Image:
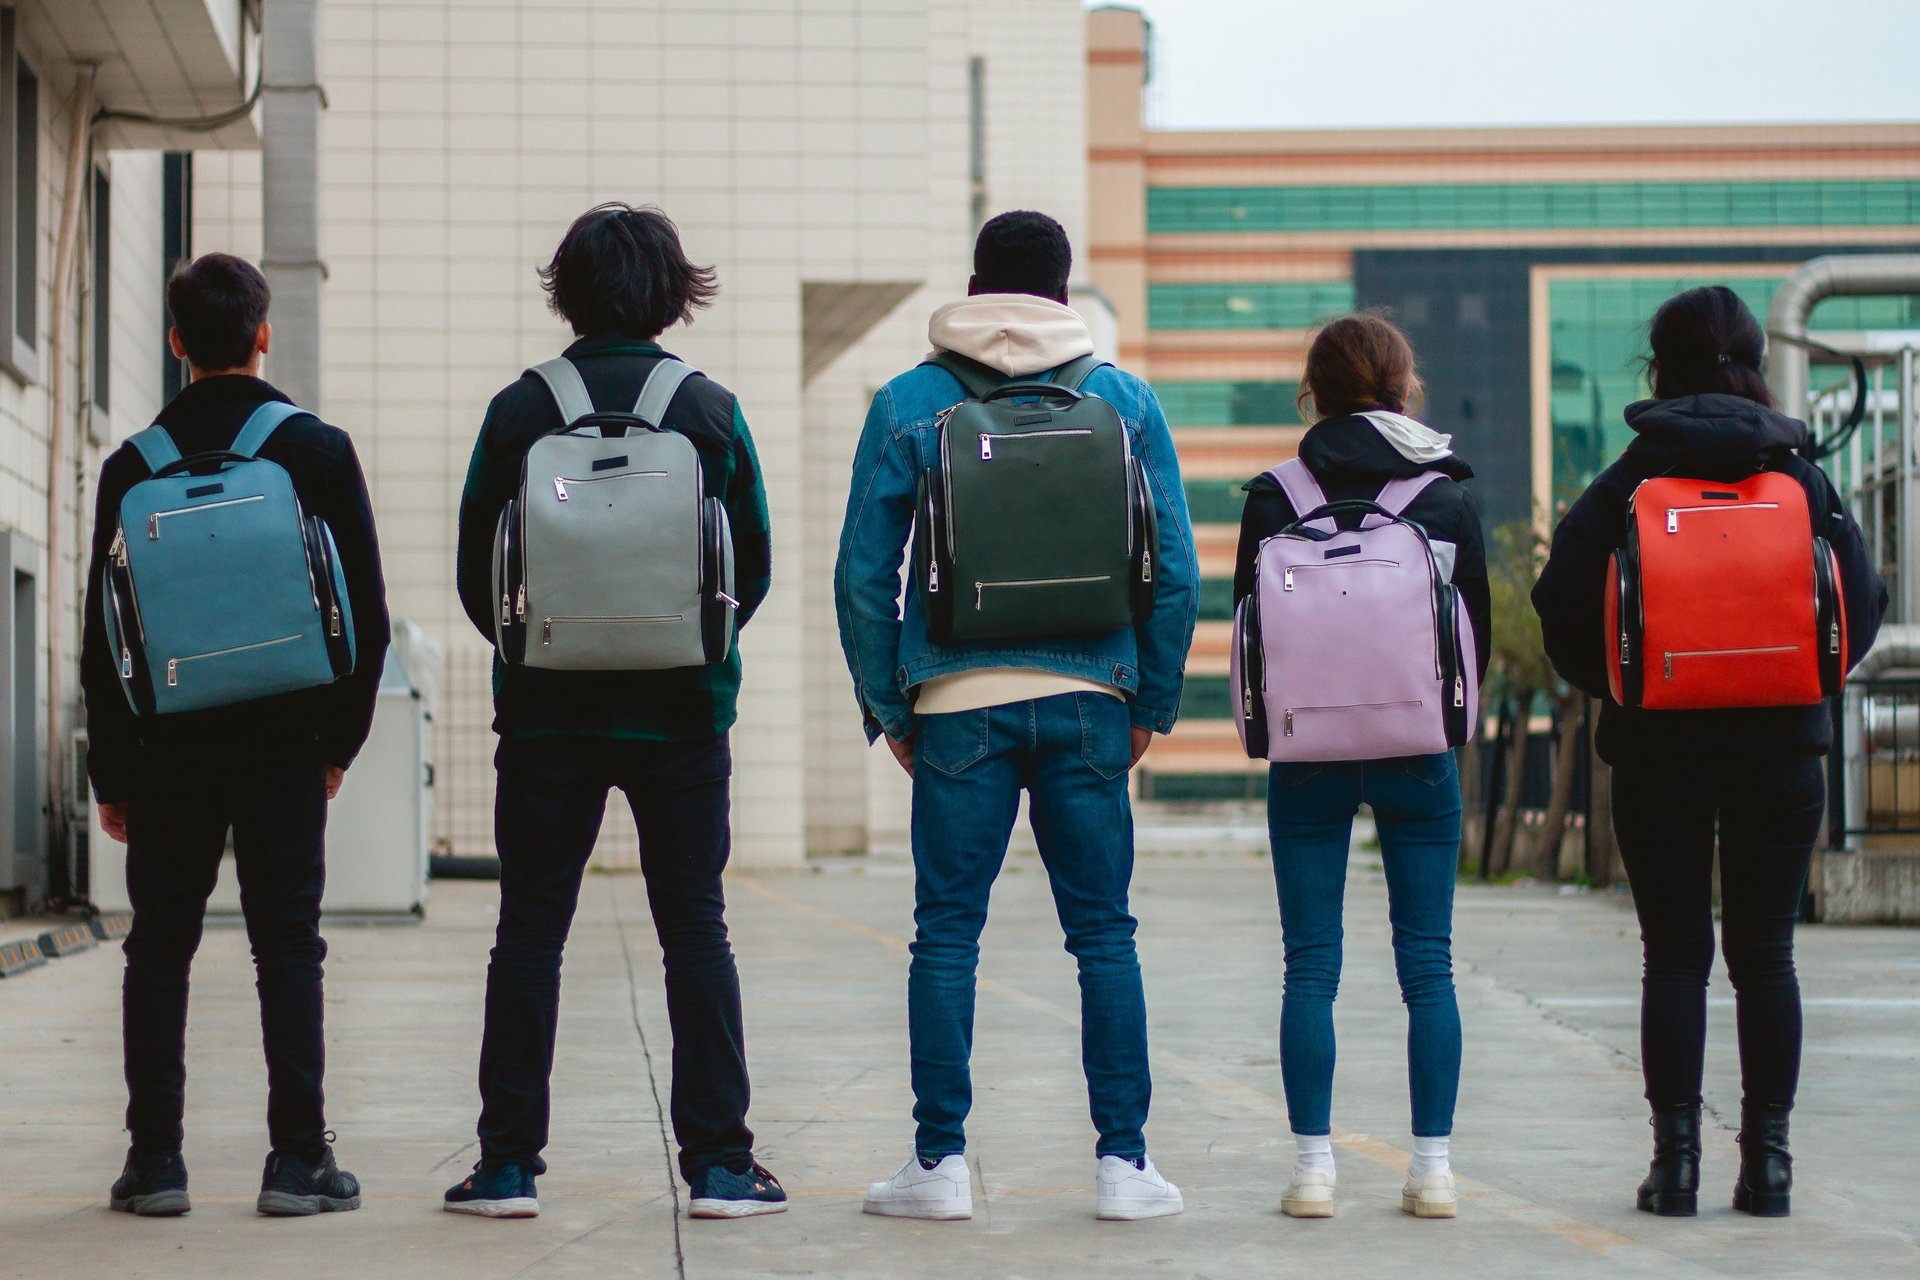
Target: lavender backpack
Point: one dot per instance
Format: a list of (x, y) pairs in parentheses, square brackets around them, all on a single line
[(1354, 644)]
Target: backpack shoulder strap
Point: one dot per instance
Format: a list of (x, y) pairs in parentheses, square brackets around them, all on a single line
[(155, 447), (1397, 495), (568, 387), (1302, 490), (264, 422), (1074, 373), (663, 382), (977, 378)]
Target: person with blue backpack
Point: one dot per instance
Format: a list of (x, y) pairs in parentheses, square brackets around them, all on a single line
[(614, 538), (235, 632), (1043, 643), (1362, 629)]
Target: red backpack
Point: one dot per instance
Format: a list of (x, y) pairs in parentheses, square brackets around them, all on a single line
[(1723, 597)]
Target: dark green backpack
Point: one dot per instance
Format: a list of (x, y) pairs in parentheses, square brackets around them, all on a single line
[(1038, 521)]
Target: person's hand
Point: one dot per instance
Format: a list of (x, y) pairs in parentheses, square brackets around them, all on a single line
[(903, 750), (335, 776), (113, 820), (1142, 739)]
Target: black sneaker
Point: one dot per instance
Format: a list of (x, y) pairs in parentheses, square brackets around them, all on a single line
[(151, 1186), (495, 1191), (723, 1192), (292, 1188)]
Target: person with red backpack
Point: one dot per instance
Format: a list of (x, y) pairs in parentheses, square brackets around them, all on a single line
[(1364, 621), (1712, 590)]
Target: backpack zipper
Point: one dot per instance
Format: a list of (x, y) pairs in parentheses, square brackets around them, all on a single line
[(118, 554), (980, 588), (173, 664), (153, 521), (986, 439), (1351, 706), (1287, 585), (1674, 513), (1725, 653), (560, 483), (546, 625)]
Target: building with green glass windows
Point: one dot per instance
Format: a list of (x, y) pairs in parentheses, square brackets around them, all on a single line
[(1523, 263)]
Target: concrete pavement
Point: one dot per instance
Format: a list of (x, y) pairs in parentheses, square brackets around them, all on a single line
[(1551, 1136)]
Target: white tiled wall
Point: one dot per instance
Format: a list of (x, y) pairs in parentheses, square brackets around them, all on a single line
[(792, 140)]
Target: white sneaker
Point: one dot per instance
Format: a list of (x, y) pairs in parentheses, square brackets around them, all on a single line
[(1309, 1194), (1124, 1192), (1430, 1196), (944, 1192)]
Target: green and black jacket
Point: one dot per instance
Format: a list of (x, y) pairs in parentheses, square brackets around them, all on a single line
[(690, 704)]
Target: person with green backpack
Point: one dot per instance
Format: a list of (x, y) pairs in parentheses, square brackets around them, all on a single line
[(1043, 641)]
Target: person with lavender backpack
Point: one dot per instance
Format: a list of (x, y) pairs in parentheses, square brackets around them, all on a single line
[(1373, 467)]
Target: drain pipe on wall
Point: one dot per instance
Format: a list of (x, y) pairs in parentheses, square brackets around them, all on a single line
[(60, 470)]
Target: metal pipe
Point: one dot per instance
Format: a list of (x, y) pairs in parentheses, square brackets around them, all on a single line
[(292, 102), (1838, 275), (59, 482)]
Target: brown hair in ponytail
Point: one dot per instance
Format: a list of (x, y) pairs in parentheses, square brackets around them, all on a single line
[(1359, 362)]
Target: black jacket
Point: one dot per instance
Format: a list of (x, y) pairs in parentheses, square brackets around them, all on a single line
[(1712, 437), (1351, 461), (325, 471)]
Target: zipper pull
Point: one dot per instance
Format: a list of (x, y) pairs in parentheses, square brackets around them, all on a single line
[(173, 673), (546, 631), (1459, 691), (560, 488), (1673, 520), (153, 527), (520, 604), (1289, 583), (1146, 565), (506, 609), (986, 448), (1289, 722), (1626, 650), (118, 551), (1669, 666), (1246, 701), (933, 576), (1833, 637), (126, 663), (336, 621), (979, 596)]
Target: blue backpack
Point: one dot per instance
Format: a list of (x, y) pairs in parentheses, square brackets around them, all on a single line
[(218, 588)]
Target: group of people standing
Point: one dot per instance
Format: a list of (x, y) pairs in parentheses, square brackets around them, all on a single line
[(976, 714)]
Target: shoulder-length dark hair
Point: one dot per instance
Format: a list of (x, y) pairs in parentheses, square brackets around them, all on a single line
[(1359, 362), (620, 269), (1706, 341)]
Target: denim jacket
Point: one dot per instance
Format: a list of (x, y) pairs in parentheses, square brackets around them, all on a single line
[(889, 654)]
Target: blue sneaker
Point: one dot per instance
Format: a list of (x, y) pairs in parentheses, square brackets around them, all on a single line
[(151, 1186), (721, 1192), (291, 1187), (495, 1191)]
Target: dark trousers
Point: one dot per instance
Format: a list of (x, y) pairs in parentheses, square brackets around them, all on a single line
[(273, 796), (1767, 813), (552, 795)]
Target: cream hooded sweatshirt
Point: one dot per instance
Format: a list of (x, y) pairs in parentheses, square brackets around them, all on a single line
[(1018, 334)]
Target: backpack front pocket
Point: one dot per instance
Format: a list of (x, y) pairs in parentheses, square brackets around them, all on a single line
[(177, 667)]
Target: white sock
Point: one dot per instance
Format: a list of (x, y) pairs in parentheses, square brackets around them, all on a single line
[(1429, 1156), (1311, 1152)]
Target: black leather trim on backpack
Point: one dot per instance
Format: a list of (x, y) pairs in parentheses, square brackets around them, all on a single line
[(1828, 632), (932, 559), (1633, 659), (1453, 667), (1253, 676), (1146, 543)]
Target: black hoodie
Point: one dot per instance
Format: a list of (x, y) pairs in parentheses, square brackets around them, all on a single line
[(1352, 460), (1711, 437)]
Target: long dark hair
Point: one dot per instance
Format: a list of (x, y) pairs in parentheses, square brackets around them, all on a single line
[(1706, 341), (620, 269)]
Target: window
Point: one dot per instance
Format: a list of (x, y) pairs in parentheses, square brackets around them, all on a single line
[(102, 300), (19, 206), (176, 247), (1253, 305), (1229, 404)]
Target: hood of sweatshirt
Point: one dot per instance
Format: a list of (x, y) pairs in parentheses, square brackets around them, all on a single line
[(1717, 437), (1016, 333), (1350, 446)]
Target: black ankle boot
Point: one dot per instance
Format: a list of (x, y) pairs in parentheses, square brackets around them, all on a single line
[(1766, 1167), (1672, 1188)]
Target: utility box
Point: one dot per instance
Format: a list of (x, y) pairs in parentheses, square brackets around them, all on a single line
[(378, 827)]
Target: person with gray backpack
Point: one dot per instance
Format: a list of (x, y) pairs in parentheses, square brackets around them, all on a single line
[(1362, 629), (1043, 642), (236, 628), (613, 540)]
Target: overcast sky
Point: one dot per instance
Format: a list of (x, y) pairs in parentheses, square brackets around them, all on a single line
[(1322, 63)]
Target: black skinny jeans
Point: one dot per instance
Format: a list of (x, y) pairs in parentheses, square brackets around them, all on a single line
[(185, 797), (1768, 812), (547, 811)]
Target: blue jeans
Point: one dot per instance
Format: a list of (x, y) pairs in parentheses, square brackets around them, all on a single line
[(1071, 753), (1310, 810)]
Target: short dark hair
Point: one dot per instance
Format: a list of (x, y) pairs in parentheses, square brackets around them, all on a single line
[(218, 303), (620, 269), (1706, 341), (1023, 252)]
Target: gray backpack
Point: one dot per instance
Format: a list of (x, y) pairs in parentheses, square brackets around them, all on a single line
[(611, 557)]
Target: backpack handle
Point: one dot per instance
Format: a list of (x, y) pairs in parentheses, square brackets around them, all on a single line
[(1036, 390), (180, 466), (1322, 523)]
